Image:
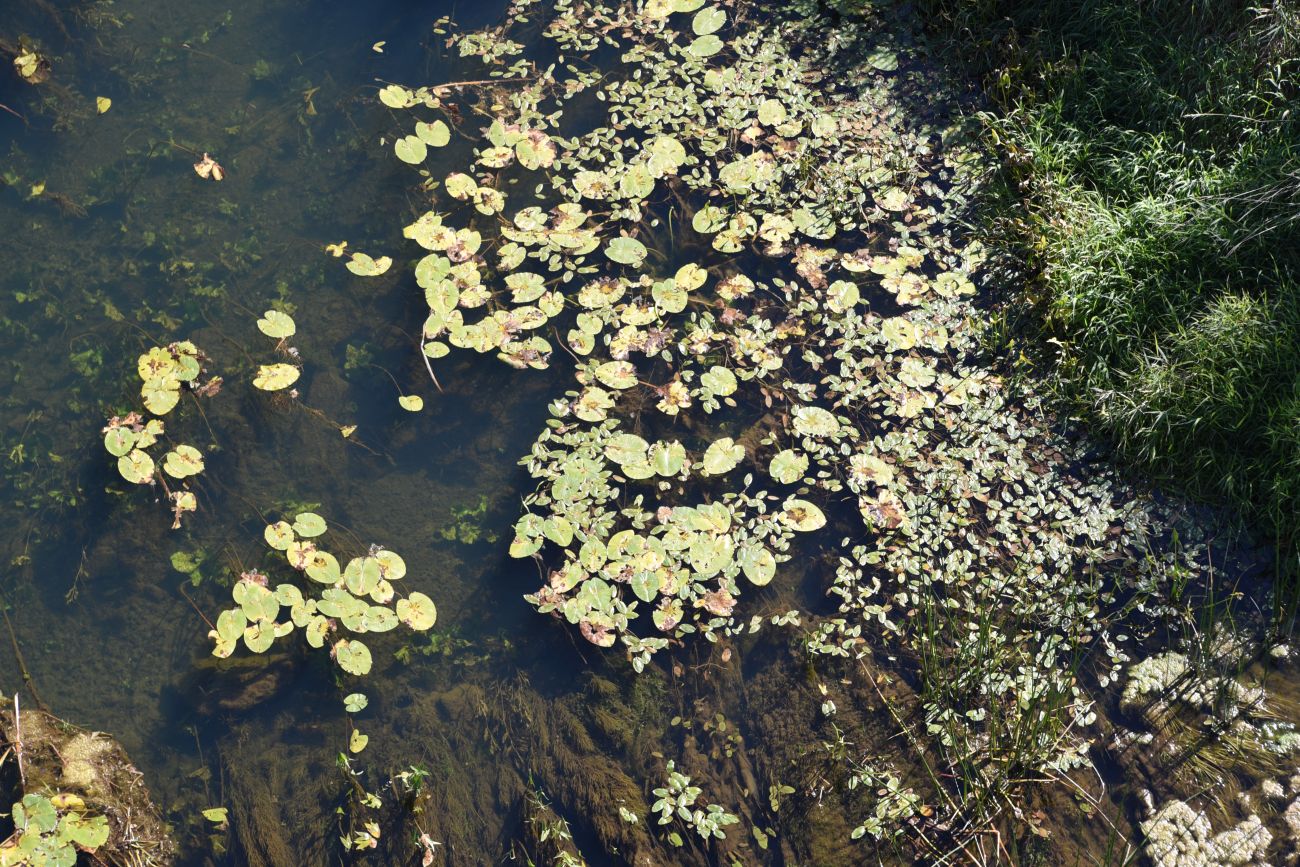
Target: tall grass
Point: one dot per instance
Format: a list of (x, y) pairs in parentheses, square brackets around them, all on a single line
[(1152, 188)]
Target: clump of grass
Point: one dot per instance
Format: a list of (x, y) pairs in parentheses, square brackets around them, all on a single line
[(1152, 187)]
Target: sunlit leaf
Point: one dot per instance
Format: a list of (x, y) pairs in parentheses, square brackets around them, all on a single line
[(274, 377), (277, 325), (417, 611), (136, 467)]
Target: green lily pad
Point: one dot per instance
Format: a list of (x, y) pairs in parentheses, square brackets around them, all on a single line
[(119, 441), (355, 702), (279, 535), (259, 637), (275, 377), (323, 568), (391, 565), (417, 611), (708, 20), (411, 402), (802, 515), (771, 112), (626, 448), (719, 381), (365, 266), (309, 525), (705, 46), (617, 374), (136, 467), (183, 461), (667, 458), (722, 456), (815, 421), (883, 59), (626, 251), (435, 134), (160, 395), (411, 149), (357, 741), (396, 96), (758, 564), (788, 466), (352, 656), (277, 325)]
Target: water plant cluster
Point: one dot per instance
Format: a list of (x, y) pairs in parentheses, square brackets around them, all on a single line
[(165, 372), (754, 269), (361, 597), (50, 831)]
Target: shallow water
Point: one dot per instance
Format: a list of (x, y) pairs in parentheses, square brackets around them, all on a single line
[(123, 247), (113, 244)]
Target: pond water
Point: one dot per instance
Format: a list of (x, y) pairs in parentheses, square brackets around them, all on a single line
[(525, 732)]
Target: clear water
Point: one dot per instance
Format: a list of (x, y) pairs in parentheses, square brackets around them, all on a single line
[(111, 244)]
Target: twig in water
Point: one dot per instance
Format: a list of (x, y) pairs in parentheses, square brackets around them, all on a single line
[(18, 741), (22, 663)]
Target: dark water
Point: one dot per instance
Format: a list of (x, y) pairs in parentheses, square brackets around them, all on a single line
[(126, 247), (113, 244)]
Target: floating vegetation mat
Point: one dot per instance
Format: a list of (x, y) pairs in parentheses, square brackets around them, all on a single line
[(741, 234)]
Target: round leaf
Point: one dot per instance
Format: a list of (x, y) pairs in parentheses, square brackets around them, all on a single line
[(417, 611)]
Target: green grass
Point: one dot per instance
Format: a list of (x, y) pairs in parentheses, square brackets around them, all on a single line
[(1151, 187)]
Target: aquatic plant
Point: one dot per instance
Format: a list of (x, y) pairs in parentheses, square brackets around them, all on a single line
[(677, 801), (165, 371), (753, 269), (361, 597), (50, 830)]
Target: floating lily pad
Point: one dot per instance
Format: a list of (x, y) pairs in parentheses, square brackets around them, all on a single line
[(160, 395), (435, 135), (279, 535), (758, 564), (771, 112), (617, 374), (309, 525), (355, 702), (136, 467), (788, 466), (411, 149), (277, 325), (357, 741), (391, 566), (417, 611), (275, 377), (352, 656), (803, 515), (411, 402), (323, 567), (626, 251), (119, 441), (626, 448), (815, 421), (708, 20), (722, 456), (364, 266), (705, 46), (183, 461)]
